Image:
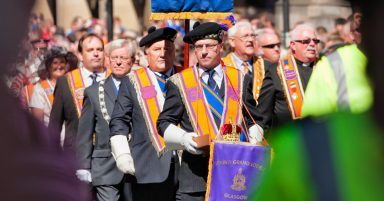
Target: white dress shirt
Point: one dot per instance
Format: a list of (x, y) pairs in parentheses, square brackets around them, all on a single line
[(240, 63), (217, 76), (86, 74)]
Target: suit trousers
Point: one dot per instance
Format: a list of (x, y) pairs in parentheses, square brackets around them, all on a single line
[(164, 191), (199, 196)]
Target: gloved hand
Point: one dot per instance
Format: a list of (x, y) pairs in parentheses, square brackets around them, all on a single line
[(189, 144), (256, 134), (177, 139), (122, 154), (124, 163), (84, 175)]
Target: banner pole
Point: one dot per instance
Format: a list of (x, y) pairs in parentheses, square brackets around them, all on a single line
[(186, 45)]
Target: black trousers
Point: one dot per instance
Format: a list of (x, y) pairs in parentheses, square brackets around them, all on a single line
[(164, 191)]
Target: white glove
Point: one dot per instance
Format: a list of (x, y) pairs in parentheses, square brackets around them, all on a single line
[(189, 144), (84, 175), (177, 139), (122, 154), (124, 163), (256, 134)]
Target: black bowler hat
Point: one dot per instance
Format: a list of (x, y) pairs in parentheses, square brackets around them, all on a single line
[(155, 35), (208, 30)]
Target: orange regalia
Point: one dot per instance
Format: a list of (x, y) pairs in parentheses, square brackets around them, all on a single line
[(291, 83), (151, 100), (28, 92), (199, 100), (77, 86), (258, 72), (48, 91)]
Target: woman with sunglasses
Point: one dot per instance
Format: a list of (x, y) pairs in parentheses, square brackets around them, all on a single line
[(42, 98)]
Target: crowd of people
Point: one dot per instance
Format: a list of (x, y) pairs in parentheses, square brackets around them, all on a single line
[(125, 107)]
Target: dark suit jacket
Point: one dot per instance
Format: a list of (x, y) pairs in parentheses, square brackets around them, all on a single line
[(127, 117), (272, 103), (194, 168), (64, 110), (97, 157)]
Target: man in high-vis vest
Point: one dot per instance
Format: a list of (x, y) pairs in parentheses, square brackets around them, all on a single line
[(69, 89), (282, 93), (337, 156), (339, 81), (201, 99), (133, 121), (242, 39)]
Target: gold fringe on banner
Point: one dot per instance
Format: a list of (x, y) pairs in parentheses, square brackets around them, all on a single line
[(189, 15)]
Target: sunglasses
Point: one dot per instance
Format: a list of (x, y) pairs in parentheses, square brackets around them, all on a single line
[(270, 46), (307, 41)]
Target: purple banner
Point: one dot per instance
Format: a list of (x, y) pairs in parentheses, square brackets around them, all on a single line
[(235, 170)]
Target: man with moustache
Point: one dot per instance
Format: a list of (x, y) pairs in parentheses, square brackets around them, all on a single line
[(270, 44), (201, 99), (242, 39), (96, 164), (133, 121), (68, 95), (282, 92)]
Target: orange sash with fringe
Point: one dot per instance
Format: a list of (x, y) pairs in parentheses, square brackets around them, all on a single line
[(291, 82), (147, 97), (190, 87), (258, 72), (77, 86)]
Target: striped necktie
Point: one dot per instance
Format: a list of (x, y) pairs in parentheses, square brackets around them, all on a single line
[(246, 67), (211, 82)]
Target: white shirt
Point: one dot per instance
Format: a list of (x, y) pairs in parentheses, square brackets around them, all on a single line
[(240, 63), (85, 73), (116, 82), (168, 73), (217, 76), (40, 100)]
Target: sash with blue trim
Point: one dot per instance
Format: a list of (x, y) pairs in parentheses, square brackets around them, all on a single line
[(196, 99), (149, 103), (291, 82)]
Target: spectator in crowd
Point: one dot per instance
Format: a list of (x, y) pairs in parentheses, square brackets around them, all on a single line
[(42, 98)]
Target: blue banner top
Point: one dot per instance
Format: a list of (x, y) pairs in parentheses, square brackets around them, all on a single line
[(165, 6)]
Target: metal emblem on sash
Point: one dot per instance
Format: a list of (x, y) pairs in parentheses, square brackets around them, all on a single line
[(239, 181), (79, 93)]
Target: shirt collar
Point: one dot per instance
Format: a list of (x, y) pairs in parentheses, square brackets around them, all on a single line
[(169, 73), (239, 62), (218, 69), (87, 73)]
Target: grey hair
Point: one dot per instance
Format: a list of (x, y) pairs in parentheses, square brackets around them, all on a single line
[(260, 33), (294, 34), (240, 25), (121, 43)]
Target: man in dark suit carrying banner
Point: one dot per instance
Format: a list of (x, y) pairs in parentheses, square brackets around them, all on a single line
[(201, 99)]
